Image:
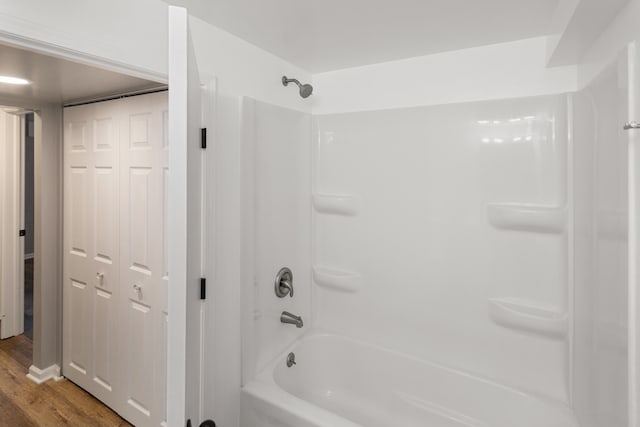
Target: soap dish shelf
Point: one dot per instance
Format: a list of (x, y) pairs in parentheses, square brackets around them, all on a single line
[(339, 280), (527, 217), (529, 316)]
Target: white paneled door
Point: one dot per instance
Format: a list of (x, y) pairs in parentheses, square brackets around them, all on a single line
[(143, 247), (91, 262), (115, 264)]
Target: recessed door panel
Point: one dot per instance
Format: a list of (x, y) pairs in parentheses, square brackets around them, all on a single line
[(139, 136), (165, 223), (104, 134), (105, 215), (104, 324), (78, 210), (79, 318), (139, 220), (164, 327), (77, 134), (139, 353)]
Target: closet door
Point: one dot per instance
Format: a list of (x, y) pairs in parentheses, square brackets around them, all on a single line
[(91, 248), (143, 254)]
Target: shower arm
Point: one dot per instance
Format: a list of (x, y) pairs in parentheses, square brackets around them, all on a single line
[(286, 81)]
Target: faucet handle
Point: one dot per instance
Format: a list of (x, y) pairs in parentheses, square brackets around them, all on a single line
[(286, 288), (284, 283)]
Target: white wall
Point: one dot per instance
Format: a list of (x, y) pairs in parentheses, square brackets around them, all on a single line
[(622, 30), (276, 229), (431, 264), (506, 70), (245, 70), (111, 30)]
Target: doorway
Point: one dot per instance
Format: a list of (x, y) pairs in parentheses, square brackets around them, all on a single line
[(12, 151), (34, 292), (27, 202)]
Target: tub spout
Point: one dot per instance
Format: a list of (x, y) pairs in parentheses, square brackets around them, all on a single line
[(292, 319)]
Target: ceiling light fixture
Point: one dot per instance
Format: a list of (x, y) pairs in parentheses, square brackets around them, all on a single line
[(13, 80)]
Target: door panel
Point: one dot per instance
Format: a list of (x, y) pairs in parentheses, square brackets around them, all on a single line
[(116, 174), (78, 211), (139, 216), (105, 241), (138, 376), (104, 326), (77, 316), (143, 162), (91, 226)]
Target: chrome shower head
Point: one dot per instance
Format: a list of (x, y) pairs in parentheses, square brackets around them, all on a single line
[(305, 89)]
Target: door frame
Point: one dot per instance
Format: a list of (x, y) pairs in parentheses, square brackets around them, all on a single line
[(13, 291)]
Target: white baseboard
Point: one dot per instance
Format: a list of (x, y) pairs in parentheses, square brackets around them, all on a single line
[(28, 256), (39, 376)]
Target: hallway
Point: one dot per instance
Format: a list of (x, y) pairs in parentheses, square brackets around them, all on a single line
[(55, 403), (28, 298)]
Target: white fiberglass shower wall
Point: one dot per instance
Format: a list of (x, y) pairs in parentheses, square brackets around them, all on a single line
[(467, 263), (466, 205)]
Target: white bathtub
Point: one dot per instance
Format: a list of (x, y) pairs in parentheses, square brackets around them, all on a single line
[(339, 382)]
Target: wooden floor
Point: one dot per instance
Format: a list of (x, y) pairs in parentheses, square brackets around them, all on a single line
[(24, 403)]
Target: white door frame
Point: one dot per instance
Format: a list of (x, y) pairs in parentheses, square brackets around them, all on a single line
[(12, 220), (633, 139)]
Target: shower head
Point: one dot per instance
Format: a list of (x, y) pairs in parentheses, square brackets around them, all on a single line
[(305, 90)]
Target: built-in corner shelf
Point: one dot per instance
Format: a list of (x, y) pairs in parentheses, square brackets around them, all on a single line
[(528, 316), (337, 204), (527, 217), (339, 280)]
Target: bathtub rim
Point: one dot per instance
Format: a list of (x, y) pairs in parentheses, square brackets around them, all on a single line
[(266, 388)]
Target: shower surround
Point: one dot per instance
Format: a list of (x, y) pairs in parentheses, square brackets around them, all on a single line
[(433, 253)]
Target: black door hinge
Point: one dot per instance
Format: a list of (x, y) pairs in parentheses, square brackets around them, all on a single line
[(203, 288), (203, 138), (22, 233)]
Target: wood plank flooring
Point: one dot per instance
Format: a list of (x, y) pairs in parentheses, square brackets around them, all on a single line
[(24, 403)]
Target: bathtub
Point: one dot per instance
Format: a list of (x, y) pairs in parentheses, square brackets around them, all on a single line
[(340, 382)]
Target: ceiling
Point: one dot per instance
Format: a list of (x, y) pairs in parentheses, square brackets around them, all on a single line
[(324, 35), (55, 80)]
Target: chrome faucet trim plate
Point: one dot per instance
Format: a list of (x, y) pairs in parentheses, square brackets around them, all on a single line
[(284, 283)]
